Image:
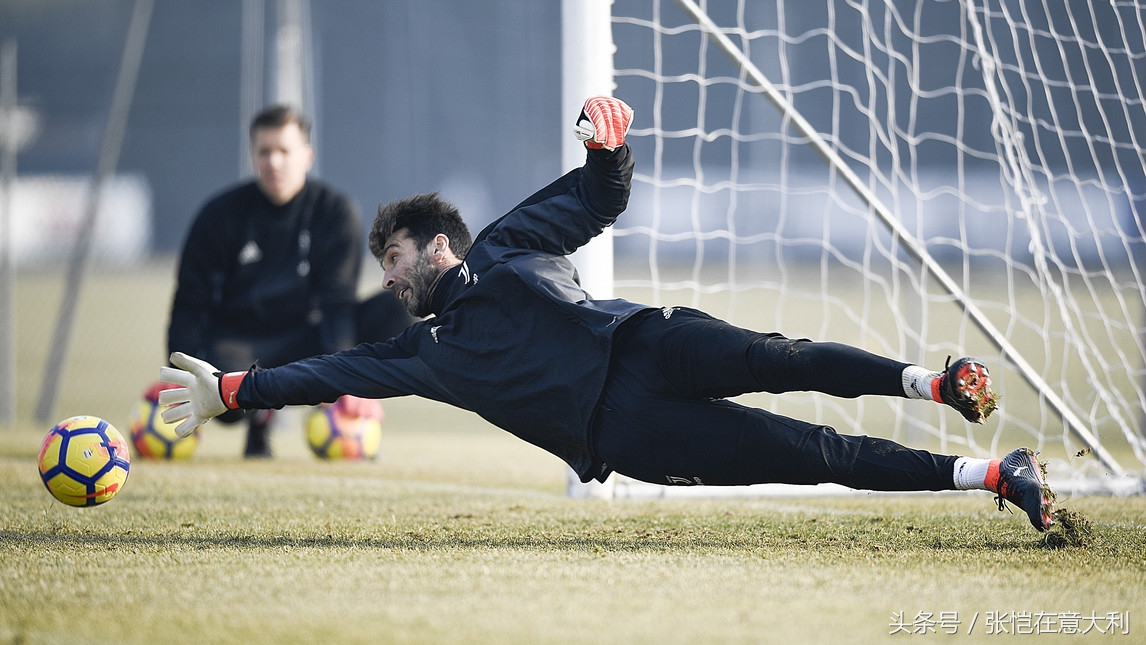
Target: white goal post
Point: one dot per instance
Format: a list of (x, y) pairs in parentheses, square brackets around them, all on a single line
[(918, 179)]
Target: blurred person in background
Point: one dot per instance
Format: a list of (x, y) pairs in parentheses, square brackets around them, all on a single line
[(269, 271)]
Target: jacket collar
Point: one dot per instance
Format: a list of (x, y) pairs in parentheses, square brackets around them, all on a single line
[(446, 288)]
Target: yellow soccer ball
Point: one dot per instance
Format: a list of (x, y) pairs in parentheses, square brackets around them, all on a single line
[(84, 461), (151, 436), (332, 433)]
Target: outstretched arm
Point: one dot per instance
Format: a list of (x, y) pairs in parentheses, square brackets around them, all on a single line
[(575, 208), (605, 179), (372, 371)]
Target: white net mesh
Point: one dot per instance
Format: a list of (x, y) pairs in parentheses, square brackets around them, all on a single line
[(1002, 139)]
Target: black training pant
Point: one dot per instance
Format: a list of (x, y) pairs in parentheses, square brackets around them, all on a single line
[(663, 417)]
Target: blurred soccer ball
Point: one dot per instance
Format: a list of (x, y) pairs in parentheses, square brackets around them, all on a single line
[(154, 439), (333, 432), (84, 461)]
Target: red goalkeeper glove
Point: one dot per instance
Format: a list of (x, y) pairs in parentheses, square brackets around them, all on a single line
[(603, 123)]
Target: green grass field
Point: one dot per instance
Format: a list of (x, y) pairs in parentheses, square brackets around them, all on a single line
[(460, 533)]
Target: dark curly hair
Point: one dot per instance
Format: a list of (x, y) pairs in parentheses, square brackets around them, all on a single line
[(424, 216)]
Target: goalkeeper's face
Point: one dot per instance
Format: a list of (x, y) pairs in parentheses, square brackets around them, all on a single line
[(411, 272)]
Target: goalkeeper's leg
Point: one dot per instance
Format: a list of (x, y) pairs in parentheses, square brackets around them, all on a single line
[(662, 417), (648, 429), (669, 440), (708, 358), (720, 443)]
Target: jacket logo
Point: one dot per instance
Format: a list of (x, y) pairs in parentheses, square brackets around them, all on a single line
[(250, 253), (434, 333), (667, 312), (465, 275)]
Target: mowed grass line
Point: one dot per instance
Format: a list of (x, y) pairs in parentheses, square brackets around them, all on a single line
[(217, 550)]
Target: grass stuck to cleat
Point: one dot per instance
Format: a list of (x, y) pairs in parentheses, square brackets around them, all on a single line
[(966, 386)]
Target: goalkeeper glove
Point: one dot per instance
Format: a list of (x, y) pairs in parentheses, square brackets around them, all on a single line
[(203, 392), (603, 123)]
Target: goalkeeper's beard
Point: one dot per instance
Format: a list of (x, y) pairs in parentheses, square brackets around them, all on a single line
[(420, 282)]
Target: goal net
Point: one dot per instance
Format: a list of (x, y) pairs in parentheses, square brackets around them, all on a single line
[(920, 179)]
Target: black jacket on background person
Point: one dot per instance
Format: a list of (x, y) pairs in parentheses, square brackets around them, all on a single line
[(251, 268), (513, 337)]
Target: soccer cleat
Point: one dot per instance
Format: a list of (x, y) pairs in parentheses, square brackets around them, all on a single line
[(1018, 479), (966, 386)]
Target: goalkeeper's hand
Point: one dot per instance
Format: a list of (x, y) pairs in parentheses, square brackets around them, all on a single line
[(603, 123), (202, 392)]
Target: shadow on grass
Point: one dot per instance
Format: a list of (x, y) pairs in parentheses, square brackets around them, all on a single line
[(610, 540)]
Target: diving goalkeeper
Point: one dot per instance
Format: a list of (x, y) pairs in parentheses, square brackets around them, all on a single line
[(609, 385)]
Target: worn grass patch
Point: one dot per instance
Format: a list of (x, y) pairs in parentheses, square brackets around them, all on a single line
[(1071, 529)]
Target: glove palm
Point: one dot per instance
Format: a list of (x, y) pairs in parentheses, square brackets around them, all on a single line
[(197, 398)]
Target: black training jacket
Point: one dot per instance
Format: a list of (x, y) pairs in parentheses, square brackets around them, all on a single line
[(513, 337), (252, 268)]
